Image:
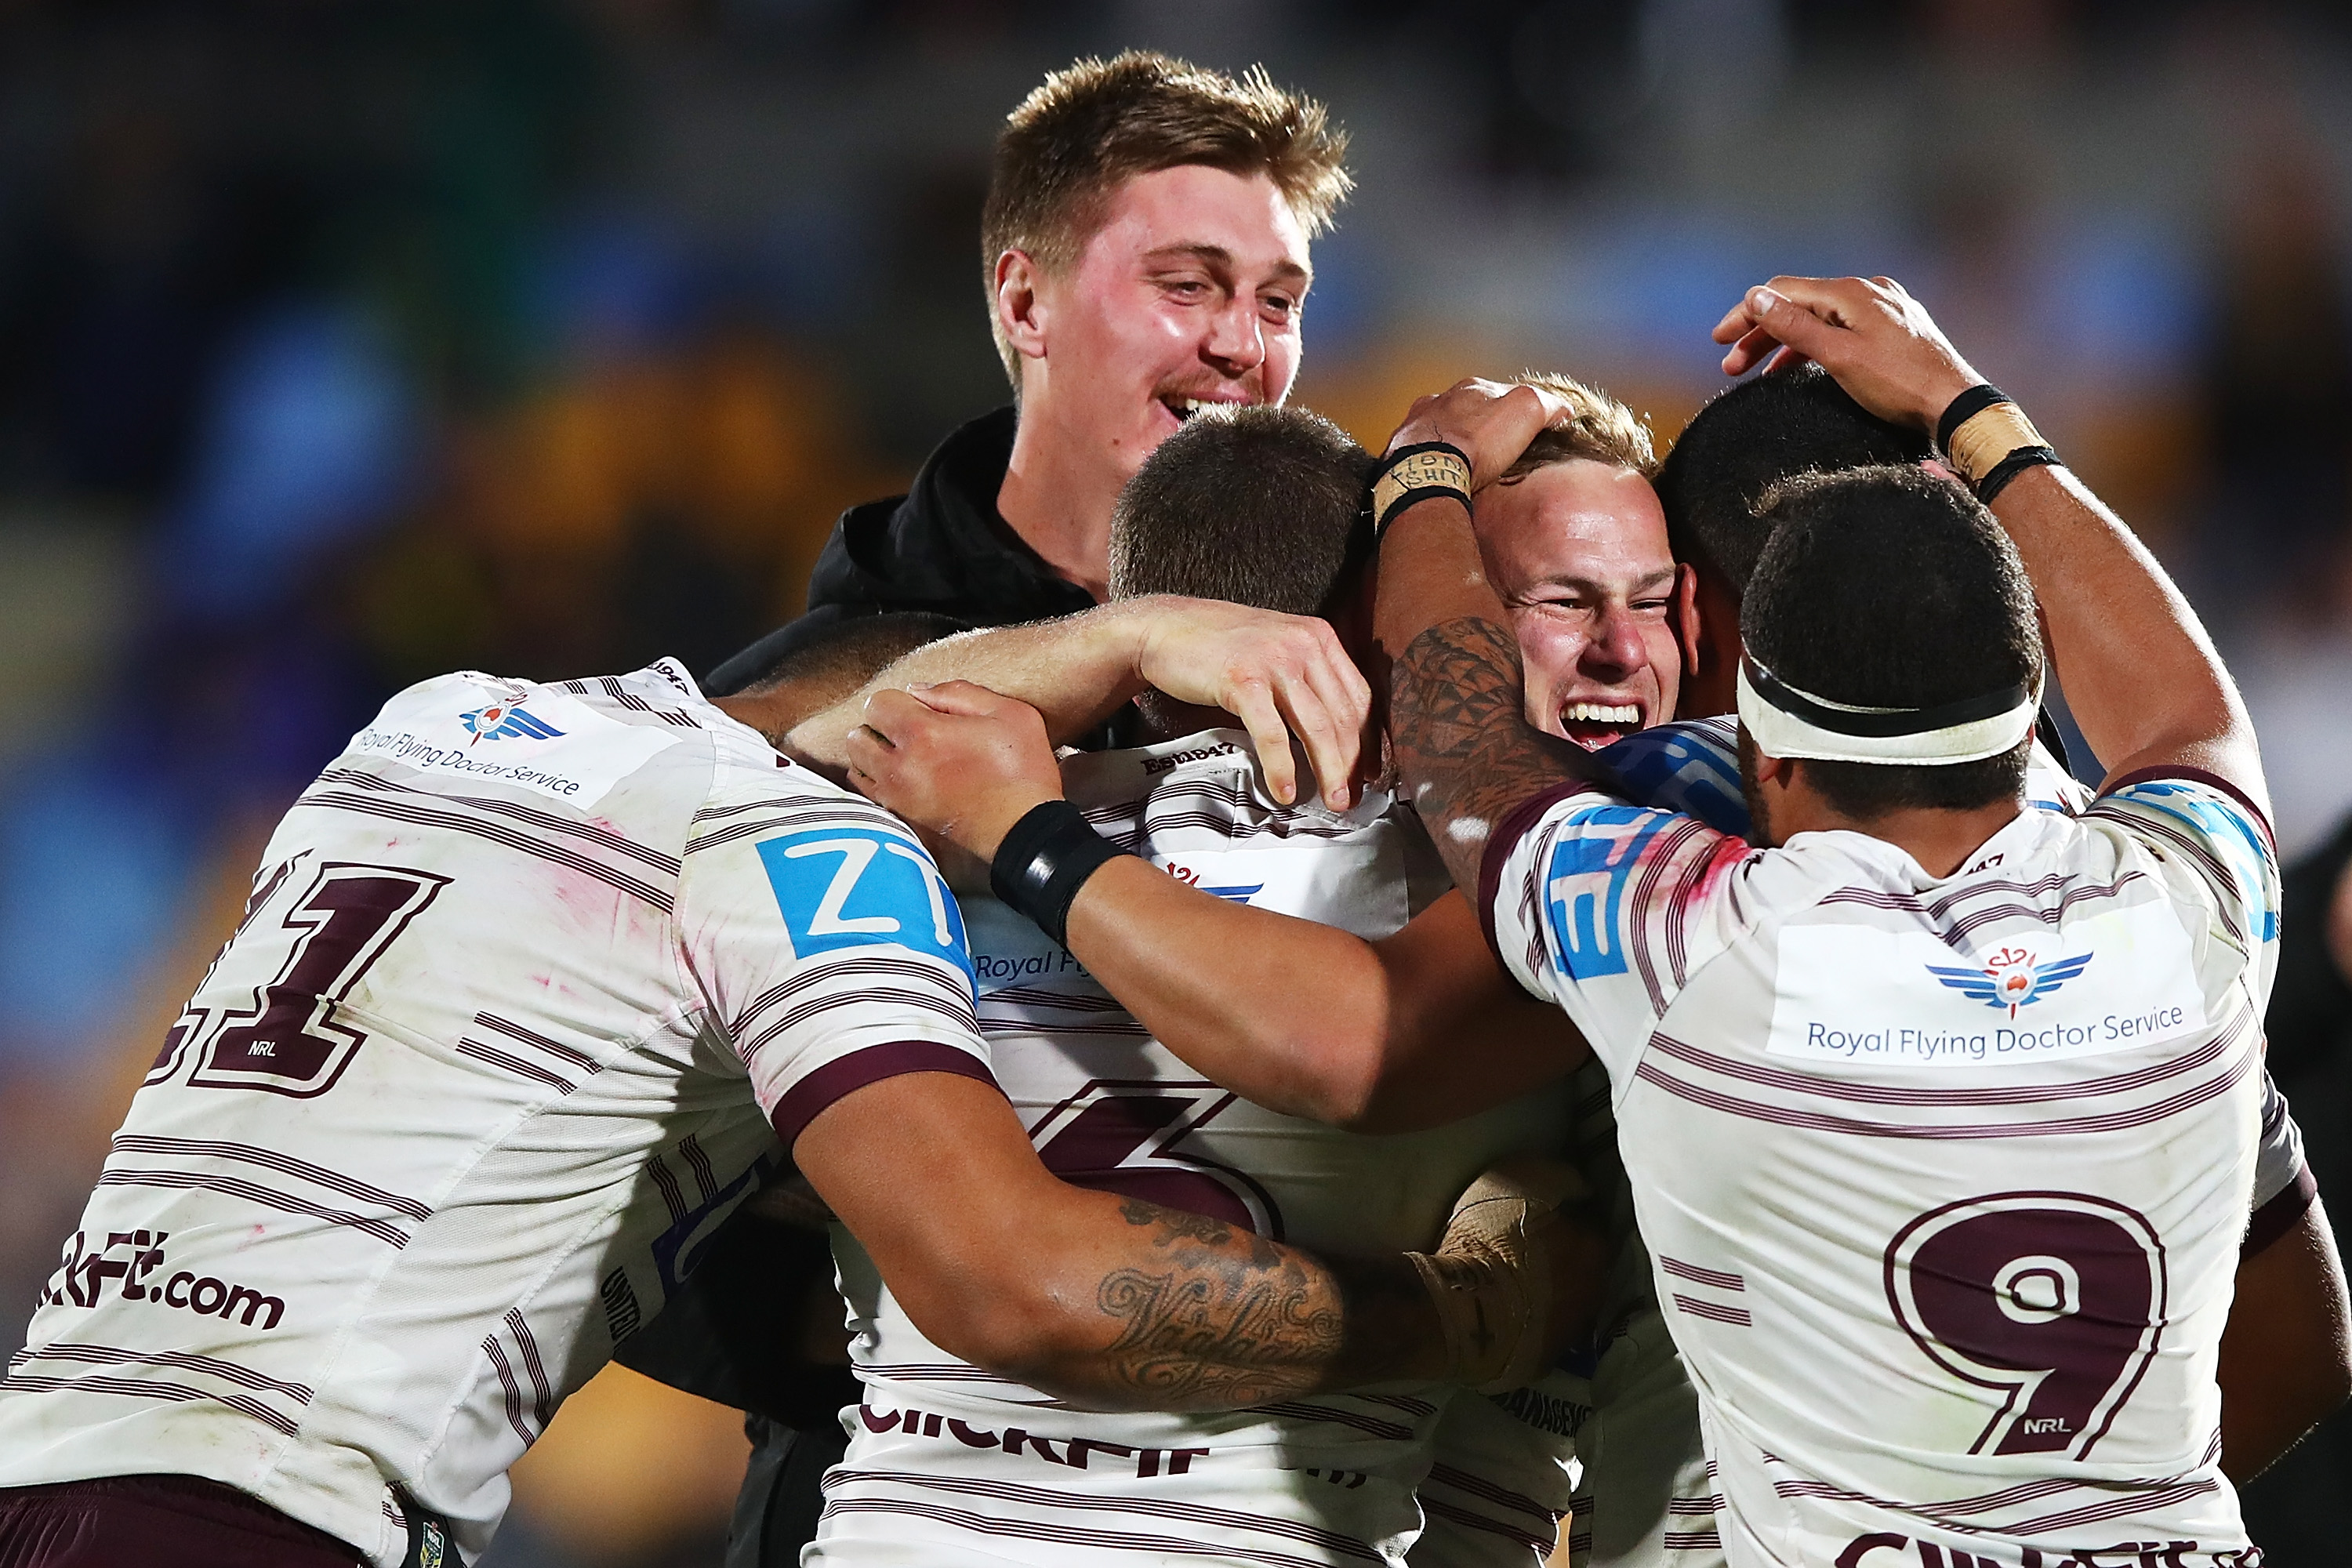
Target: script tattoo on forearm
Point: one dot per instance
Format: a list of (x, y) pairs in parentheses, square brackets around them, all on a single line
[(1234, 1321), (1463, 745)]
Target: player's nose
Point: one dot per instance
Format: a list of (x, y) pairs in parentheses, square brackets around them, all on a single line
[(1235, 343), (1615, 650)]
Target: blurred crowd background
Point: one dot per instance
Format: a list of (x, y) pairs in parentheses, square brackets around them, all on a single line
[(343, 343)]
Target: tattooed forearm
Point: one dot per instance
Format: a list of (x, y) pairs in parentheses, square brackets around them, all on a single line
[(1234, 1321), (1463, 745)]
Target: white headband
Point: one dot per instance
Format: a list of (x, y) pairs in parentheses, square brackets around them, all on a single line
[(1786, 722)]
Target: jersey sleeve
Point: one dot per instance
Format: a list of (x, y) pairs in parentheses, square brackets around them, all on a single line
[(826, 944), (2218, 850), (1602, 908), (2283, 1186), (1691, 765)]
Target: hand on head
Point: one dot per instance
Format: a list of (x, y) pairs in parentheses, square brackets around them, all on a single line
[(1279, 675), (964, 764), (1491, 422), (1877, 341)]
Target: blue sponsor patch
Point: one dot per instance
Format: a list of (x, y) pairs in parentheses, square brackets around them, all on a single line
[(860, 887), (2223, 825), (1593, 860)]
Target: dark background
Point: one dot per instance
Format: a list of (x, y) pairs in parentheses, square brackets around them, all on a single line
[(343, 343)]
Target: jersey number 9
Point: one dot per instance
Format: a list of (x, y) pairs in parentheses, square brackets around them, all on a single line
[(2054, 1300)]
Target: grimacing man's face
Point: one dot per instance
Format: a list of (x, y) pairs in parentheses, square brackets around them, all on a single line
[(1578, 551)]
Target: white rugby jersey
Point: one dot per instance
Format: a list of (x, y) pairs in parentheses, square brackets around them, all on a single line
[(1645, 1499), (1944, 1179), (526, 977), (1109, 1107)]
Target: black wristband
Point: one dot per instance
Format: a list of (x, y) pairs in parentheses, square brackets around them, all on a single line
[(2009, 468), (1045, 859), (1965, 408), (1393, 492)]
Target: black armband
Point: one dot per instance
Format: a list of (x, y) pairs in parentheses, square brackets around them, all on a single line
[(1988, 441), (2009, 468), (1045, 859)]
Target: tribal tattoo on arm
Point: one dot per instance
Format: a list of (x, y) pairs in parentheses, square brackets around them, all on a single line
[(1463, 745), (1234, 1321)]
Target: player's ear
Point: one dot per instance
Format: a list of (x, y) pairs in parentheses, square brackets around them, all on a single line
[(1687, 618), (1021, 309)]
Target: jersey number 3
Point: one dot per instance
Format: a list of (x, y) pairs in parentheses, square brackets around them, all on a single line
[(2054, 1300)]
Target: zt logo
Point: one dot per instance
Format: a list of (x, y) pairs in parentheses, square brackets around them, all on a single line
[(855, 887), (1584, 887), (2052, 1303)]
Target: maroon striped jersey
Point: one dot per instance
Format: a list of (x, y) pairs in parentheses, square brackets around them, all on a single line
[(1323, 1479), (531, 981), (1943, 1179)]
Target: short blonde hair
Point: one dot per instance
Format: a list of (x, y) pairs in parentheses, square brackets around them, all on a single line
[(1603, 430), (1088, 128)]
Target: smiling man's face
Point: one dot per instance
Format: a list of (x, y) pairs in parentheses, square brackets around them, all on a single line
[(1577, 550), (1189, 292)]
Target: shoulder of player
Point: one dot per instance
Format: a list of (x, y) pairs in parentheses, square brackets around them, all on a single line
[(759, 793), (605, 750), (1583, 810), (1126, 775), (2199, 800), (1210, 778)]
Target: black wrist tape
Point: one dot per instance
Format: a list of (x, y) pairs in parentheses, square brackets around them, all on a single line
[(2009, 468), (1045, 859), (1965, 408)]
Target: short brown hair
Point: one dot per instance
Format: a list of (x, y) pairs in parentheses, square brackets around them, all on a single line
[(1087, 129), (1259, 506), (1603, 430)]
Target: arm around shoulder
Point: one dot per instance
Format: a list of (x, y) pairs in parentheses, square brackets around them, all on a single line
[(1115, 1303)]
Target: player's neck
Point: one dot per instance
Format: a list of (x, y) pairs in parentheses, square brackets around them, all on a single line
[(1058, 495), (1941, 841)]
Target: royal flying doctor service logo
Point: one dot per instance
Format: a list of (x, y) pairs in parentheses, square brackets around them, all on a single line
[(1905, 999), (506, 721), (2011, 979)]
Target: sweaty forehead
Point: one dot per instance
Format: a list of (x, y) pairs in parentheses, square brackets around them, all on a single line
[(1580, 520)]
